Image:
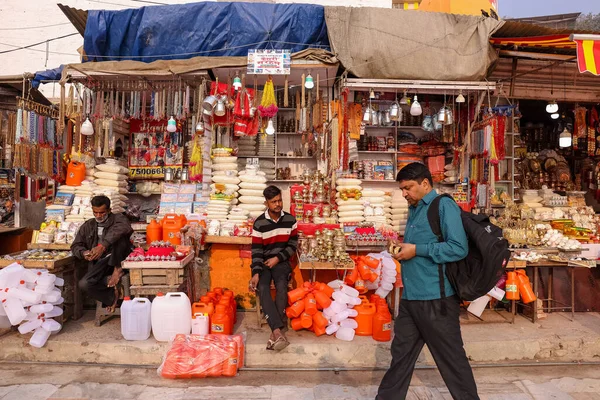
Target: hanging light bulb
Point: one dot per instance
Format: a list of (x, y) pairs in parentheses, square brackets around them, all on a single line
[(565, 139), (172, 125), (552, 107), (270, 128), (371, 94), (87, 128), (237, 81), (460, 98), (404, 100), (309, 82), (555, 116), (415, 108)]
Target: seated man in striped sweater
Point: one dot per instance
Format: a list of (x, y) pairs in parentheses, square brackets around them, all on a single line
[(274, 242)]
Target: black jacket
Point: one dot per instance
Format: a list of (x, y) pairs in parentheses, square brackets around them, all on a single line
[(116, 228)]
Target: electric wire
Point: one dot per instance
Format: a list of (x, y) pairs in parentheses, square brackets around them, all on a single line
[(38, 43), (34, 27)]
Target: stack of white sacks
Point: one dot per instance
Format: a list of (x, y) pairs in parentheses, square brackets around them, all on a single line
[(30, 299), (253, 183), (350, 210), (111, 181), (266, 146), (224, 174), (399, 213), (374, 202), (247, 146), (341, 312)]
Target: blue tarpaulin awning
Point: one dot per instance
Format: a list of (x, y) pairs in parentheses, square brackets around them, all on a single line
[(202, 29), (47, 75)]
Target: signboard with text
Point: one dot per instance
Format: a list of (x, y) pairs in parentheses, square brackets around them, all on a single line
[(269, 62)]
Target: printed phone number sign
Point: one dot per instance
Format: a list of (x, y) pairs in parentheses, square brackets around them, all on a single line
[(150, 172), (269, 62)]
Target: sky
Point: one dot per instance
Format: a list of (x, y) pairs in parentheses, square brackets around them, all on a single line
[(533, 8)]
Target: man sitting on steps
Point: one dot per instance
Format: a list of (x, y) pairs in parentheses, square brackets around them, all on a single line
[(104, 242)]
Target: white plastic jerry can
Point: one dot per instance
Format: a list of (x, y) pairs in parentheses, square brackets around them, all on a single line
[(136, 321), (171, 315), (200, 324)]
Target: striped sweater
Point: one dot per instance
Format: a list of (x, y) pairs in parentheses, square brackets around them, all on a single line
[(273, 239)]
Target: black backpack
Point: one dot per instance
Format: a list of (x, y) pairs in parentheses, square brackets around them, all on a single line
[(475, 275)]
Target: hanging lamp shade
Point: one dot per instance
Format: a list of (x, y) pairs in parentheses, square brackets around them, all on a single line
[(171, 125), (552, 107), (404, 100), (565, 139), (415, 108), (87, 128), (309, 82), (270, 128)]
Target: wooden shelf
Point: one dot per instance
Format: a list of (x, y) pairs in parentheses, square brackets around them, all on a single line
[(158, 264), (228, 239), (297, 157), (376, 152), (323, 265), (49, 246)]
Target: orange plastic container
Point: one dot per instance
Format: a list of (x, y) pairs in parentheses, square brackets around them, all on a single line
[(297, 324), (512, 289), (322, 299), (370, 262), (226, 301), (319, 320), (374, 298), (525, 290), (295, 309), (306, 320), (239, 339), (230, 365), (233, 303), (203, 308), (352, 276), (364, 271), (360, 286), (75, 173), (220, 322), (322, 287), (296, 294), (172, 224), (154, 232), (366, 311), (382, 323), (310, 304), (319, 331), (205, 300)]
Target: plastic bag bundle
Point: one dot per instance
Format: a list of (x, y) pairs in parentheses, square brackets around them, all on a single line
[(201, 356)]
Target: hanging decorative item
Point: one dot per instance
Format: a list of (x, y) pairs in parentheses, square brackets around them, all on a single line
[(268, 104)]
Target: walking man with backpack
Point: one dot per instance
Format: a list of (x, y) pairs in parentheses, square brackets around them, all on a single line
[(429, 310)]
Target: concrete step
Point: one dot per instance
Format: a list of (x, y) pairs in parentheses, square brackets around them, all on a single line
[(553, 339)]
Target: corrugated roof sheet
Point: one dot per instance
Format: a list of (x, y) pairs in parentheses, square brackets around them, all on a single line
[(77, 17), (522, 29)]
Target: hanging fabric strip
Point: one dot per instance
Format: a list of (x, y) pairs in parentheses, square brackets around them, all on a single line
[(32, 127), (19, 130)]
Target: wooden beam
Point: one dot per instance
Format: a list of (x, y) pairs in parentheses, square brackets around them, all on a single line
[(537, 56), (514, 75)]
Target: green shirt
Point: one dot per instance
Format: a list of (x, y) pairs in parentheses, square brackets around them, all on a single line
[(420, 275)]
